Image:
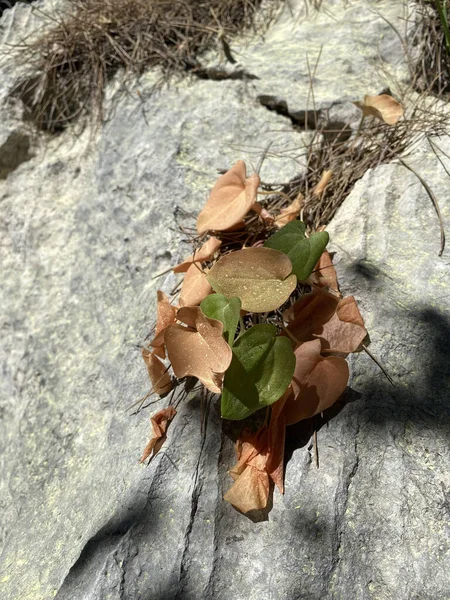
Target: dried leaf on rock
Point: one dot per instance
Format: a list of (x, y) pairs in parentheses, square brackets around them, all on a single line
[(317, 383), (205, 253), (323, 182), (382, 107), (276, 436), (324, 273), (250, 490), (260, 277), (319, 315), (201, 353), (290, 213), (195, 286), (159, 422), (230, 200), (158, 373), (165, 315)]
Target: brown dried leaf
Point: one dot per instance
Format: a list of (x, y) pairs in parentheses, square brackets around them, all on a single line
[(324, 274), (290, 213), (317, 383), (336, 323), (165, 315), (206, 252), (250, 490), (230, 200), (324, 181), (260, 277), (263, 213), (201, 353), (195, 287), (275, 441), (382, 107), (158, 373), (159, 422)]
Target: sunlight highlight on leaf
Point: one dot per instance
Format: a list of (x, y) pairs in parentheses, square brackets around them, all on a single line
[(260, 277)]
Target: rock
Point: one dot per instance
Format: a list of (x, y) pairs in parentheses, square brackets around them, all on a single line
[(86, 222)]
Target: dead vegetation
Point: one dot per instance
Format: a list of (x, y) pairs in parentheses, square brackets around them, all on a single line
[(70, 64), (432, 69)]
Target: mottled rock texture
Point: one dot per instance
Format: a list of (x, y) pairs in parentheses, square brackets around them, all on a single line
[(86, 222)]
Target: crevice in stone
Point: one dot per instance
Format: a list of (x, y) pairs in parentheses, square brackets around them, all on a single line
[(219, 74), (302, 119), (14, 152), (198, 486), (340, 517)]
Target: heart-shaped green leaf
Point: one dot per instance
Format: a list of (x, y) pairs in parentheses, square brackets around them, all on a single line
[(304, 252), (261, 277), (218, 306), (261, 370)]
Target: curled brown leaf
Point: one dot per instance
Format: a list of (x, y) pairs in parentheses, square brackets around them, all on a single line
[(203, 254), (230, 200), (157, 372), (165, 315), (195, 286), (201, 352), (317, 383), (382, 107), (290, 213), (160, 421), (337, 323), (323, 183)]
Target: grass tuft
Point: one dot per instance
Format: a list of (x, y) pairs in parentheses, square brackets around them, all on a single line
[(71, 63)]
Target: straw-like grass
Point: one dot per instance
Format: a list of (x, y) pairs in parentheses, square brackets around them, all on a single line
[(432, 70), (70, 64)]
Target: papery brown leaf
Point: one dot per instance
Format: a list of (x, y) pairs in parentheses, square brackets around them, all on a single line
[(202, 353), (324, 274), (317, 383), (250, 491), (275, 441), (230, 200), (158, 373), (260, 277), (205, 253), (251, 488), (165, 315), (337, 323), (159, 422), (308, 315), (263, 213), (195, 287), (290, 213), (382, 107), (323, 182)]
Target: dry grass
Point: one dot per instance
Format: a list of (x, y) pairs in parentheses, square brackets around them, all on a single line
[(71, 63), (432, 70)]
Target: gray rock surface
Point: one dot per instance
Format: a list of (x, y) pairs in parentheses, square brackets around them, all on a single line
[(85, 223)]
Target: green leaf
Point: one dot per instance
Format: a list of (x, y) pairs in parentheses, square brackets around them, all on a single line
[(304, 252), (261, 277), (261, 370), (218, 306)]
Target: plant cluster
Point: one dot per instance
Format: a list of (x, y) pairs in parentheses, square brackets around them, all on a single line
[(260, 321), (247, 328)]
